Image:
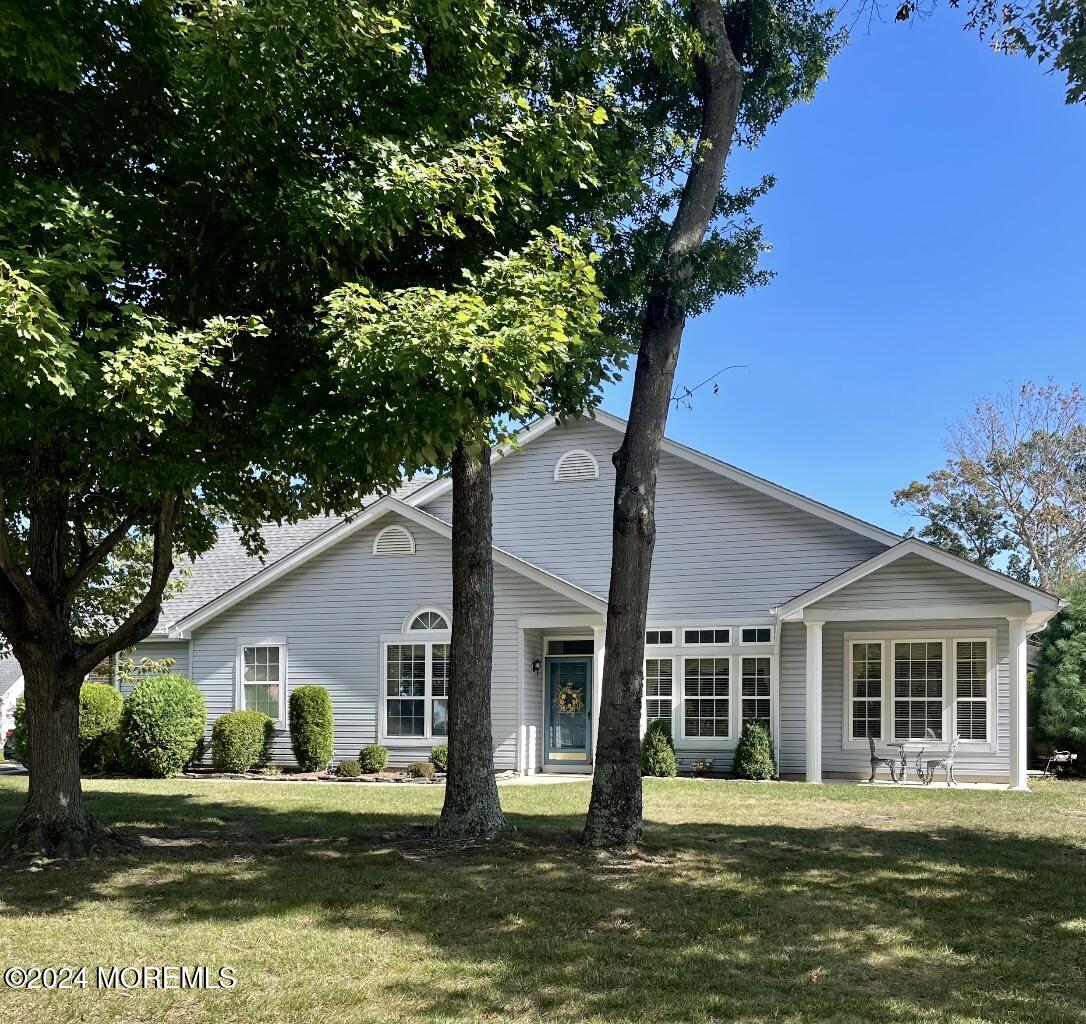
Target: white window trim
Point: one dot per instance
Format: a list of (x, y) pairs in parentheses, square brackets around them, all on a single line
[(423, 608), (284, 677), (676, 637), (950, 687), (740, 642), (683, 642), (427, 639), (577, 479)]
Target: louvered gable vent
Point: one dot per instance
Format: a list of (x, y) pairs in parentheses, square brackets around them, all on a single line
[(576, 465), (394, 540)]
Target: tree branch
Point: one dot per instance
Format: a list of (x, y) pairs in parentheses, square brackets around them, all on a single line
[(15, 574), (95, 558), (144, 617)]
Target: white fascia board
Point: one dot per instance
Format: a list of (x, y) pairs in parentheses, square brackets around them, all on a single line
[(183, 627), (1038, 599)]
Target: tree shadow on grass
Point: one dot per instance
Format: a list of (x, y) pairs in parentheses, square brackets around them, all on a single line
[(744, 923)]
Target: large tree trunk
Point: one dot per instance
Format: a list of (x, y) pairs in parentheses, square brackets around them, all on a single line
[(471, 808), (54, 822), (614, 815)]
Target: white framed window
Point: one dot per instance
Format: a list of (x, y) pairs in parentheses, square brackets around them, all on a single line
[(659, 637), (576, 464), (756, 691), (394, 540), (921, 687), (712, 637), (659, 690), (865, 689), (972, 683), (262, 677), (749, 635), (416, 681), (919, 682), (706, 698)]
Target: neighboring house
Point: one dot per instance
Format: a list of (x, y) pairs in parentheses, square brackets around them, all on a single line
[(11, 689), (764, 604)]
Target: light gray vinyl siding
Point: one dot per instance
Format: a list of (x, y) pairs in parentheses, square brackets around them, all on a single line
[(533, 702), (723, 550), (837, 759), (157, 649), (914, 581), (333, 610), (793, 698)]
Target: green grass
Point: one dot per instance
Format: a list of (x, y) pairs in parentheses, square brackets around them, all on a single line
[(748, 903)]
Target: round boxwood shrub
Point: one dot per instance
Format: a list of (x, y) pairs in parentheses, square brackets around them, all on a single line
[(373, 758), (420, 770), (100, 710), (240, 741), (163, 725), (310, 717), (754, 753), (349, 769), (658, 752), (439, 757)]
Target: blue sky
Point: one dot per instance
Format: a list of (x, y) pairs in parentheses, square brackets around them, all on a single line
[(927, 229)]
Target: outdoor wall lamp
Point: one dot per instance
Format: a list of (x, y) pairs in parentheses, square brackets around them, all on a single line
[(537, 665)]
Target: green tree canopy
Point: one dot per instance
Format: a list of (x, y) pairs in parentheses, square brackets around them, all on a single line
[(1060, 674)]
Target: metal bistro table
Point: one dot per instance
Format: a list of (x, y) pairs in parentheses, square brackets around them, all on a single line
[(905, 750)]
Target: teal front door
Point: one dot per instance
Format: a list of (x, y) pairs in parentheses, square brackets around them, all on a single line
[(568, 738)]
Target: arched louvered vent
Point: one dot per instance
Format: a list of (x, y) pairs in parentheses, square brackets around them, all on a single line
[(576, 465), (394, 540)]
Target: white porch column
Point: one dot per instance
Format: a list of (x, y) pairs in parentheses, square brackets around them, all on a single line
[(814, 700), (1017, 653), (599, 636)]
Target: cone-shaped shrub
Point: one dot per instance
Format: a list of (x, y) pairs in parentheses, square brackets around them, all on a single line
[(163, 725), (311, 728), (658, 752), (240, 741), (439, 757), (754, 754)]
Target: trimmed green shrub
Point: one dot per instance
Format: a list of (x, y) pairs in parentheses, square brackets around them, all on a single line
[(373, 758), (439, 757), (658, 752), (100, 710), (163, 725), (754, 753), (240, 741), (20, 744), (310, 717), (420, 770), (348, 769)]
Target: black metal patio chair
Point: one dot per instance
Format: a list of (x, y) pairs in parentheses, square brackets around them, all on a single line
[(946, 762)]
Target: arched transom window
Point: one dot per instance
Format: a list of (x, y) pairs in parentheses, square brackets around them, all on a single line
[(428, 619)]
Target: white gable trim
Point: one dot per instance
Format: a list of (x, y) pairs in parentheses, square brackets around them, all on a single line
[(1039, 600), (184, 626), (440, 486)]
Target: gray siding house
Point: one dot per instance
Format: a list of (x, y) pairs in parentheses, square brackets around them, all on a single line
[(764, 604)]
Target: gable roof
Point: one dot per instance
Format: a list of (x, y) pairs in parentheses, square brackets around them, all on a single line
[(1040, 601), (441, 485), (227, 563), (11, 672), (181, 627)]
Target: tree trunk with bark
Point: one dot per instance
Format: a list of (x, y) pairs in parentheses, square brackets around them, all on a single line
[(471, 808), (614, 814), (54, 822)]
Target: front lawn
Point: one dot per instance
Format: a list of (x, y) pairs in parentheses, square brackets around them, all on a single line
[(751, 903)]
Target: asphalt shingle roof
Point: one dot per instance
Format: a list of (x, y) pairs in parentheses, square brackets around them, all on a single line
[(228, 563)]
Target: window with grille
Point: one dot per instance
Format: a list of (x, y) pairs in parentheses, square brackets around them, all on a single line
[(755, 690), (658, 689), (757, 635), (706, 697), (865, 690), (417, 690), (971, 689), (707, 636), (659, 637), (918, 690), (262, 679)]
